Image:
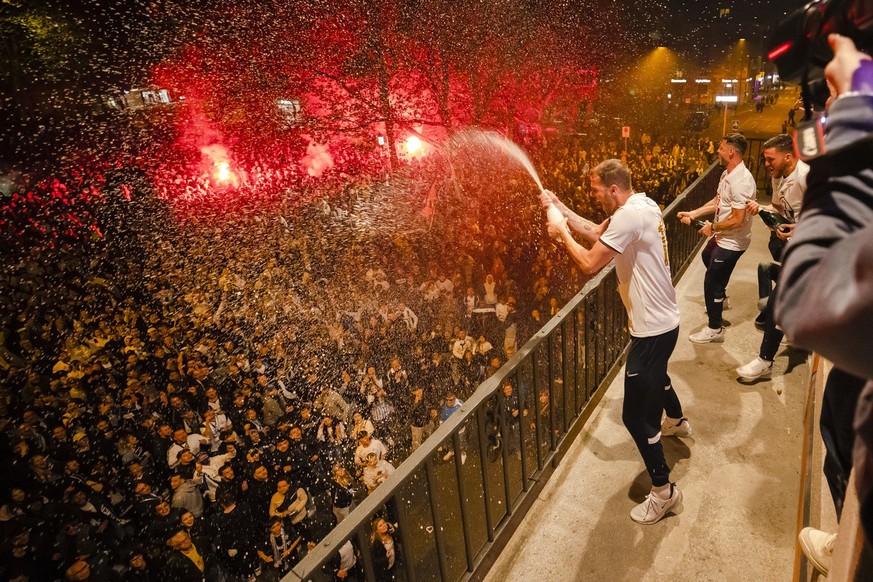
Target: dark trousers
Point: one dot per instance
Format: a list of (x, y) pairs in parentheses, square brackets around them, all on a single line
[(776, 245), (768, 273), (839, 400), (648, 392), (720, 264), (773, 334)]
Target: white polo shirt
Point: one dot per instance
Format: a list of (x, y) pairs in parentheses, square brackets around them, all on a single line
[(636, 232), (735, 189), (788, 191)]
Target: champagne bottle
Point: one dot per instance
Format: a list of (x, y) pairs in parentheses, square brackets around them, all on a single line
[(553, 215), (772, 219)]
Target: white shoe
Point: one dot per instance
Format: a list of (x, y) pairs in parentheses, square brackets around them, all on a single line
[(755, 369), (817, 546), (676, 427), (708, 335), (653, 509)]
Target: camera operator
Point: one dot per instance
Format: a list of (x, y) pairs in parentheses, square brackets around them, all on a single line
[(824, 301)]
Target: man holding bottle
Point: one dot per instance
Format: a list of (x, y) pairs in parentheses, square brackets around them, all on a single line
[(731, 232), (788, 175), (635, 237), (788, 178)]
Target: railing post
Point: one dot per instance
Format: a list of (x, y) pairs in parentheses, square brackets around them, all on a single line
[(483, 465), (462, 498), (403, 526), (436, 515)]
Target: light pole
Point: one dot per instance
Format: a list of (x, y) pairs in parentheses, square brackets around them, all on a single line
[(725, 99)]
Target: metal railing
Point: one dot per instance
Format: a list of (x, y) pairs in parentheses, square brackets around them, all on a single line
[(454, 516), (755, 162)]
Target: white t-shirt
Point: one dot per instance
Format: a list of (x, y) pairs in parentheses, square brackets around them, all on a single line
[(637, 233), (375, 446), (462, 345), (735, 189), (788, 191)]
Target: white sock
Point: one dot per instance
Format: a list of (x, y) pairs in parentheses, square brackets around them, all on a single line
[(663, 492)]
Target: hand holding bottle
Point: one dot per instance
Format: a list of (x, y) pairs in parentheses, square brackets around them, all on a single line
[(558, 229), (701, 226), (785, 231), (548, 197)]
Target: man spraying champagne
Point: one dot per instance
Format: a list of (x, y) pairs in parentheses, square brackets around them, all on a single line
[(635, 237)]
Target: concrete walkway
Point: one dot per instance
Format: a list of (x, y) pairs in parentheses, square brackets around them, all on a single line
[(739, 473)]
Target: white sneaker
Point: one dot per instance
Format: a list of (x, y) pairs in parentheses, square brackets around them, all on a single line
[(817, 546), (653, 509), (676, 427), (755, 369), (708, 335)]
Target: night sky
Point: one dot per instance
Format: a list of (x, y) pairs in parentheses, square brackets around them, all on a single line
[(700, 29)]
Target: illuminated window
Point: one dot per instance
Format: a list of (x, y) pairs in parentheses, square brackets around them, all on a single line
[(724, 12)]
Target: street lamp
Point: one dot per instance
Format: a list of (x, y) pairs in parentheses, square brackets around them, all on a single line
[(725, 99)]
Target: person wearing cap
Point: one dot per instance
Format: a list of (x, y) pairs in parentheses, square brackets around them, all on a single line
[(730, 231)]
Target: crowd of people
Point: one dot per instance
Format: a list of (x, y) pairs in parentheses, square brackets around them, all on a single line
[(661, 169), (181, 400)]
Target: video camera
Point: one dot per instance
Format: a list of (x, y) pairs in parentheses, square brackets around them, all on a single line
[(799, 44)]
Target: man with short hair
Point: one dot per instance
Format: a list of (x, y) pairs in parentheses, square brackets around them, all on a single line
[(368, 444), (788, 176), (730, 229), (182, 441), (788, 179), (635, 237), (185, 561)]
